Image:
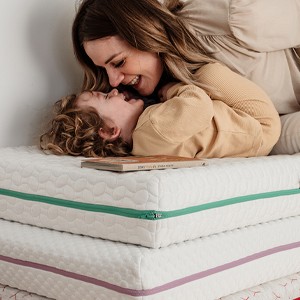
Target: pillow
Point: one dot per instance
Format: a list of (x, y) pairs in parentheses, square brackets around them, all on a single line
[(289, 141)]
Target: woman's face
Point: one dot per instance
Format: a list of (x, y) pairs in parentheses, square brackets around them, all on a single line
[(125, 64)]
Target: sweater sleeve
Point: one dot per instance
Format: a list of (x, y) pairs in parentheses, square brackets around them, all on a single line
[(237, 92), (188, 111), (242, 95)]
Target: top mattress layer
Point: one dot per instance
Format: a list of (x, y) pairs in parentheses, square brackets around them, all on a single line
[(151, 208)]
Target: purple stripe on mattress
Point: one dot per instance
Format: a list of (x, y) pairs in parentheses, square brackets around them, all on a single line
[(159, 289)]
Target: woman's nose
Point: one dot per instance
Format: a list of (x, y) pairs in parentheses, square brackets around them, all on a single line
[(115, 77)]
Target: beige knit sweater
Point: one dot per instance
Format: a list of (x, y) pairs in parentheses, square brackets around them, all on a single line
[(237, 119)]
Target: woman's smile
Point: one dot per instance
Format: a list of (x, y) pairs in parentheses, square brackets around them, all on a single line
[(125, 64)]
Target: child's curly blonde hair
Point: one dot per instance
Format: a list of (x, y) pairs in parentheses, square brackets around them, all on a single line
[(74, 131)]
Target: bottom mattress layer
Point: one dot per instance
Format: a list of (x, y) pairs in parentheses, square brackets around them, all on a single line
[(9, 293), (283, 288), (63, 266)]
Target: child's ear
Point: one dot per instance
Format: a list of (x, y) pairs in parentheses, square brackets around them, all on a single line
[(109, 133)]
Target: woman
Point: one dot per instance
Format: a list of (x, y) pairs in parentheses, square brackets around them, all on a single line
[(141, 44)]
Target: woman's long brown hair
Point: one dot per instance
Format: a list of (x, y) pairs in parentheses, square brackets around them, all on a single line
[(146, 25)]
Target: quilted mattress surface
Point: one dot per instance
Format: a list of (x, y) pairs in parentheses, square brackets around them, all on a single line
[(151, 208), (283, 288), (62, 265)]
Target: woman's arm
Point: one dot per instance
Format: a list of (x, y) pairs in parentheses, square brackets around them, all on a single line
[(241, 94)]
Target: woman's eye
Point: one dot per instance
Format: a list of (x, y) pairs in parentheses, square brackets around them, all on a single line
[(120, 63)]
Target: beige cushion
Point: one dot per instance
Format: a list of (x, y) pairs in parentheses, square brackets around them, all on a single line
[(254, 38), (289, 141)]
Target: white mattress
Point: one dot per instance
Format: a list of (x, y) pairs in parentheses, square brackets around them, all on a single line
[(283, 288), (151, 208), (63, 266)]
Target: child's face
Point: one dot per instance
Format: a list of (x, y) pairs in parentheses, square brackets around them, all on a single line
[(113, 108)]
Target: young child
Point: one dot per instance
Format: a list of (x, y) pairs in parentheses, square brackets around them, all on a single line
[(230, 122)]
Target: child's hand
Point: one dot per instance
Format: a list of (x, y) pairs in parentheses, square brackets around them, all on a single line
[(162, 93)]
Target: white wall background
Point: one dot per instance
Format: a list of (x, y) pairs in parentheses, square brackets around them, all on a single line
[(37, 65)]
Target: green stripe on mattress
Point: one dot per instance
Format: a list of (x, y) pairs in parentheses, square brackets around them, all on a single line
[(144, 214)]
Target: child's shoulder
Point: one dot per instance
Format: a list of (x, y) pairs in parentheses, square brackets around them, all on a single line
[(212, 73), (212, 67)]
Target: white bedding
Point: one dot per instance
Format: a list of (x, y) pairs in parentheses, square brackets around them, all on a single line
[(151, 208), (283, 288), (63, 266)]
